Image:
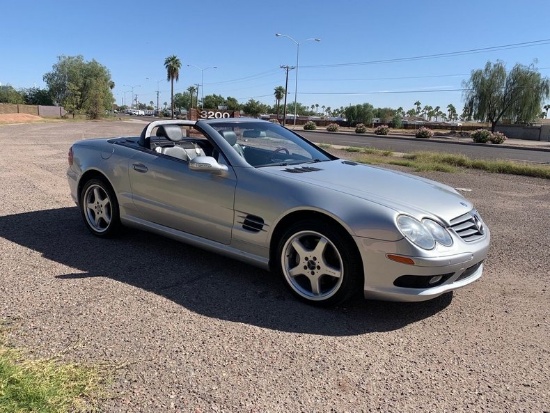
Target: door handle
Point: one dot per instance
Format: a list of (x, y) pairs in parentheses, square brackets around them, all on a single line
[(139, 167)]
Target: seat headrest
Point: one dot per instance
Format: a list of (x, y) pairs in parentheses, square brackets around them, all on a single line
[(172, 132), (229, 136), (252, 133)]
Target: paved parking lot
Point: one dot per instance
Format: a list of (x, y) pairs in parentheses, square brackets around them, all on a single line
[(187, 330)]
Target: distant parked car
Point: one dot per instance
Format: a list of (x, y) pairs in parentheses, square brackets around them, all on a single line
[(256, 191)]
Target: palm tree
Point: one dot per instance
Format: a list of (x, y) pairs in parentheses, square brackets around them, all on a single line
[(418, 107), (316, 108), (192, 90), (173, 66), (279, 94), (546, 107), (324, 111)]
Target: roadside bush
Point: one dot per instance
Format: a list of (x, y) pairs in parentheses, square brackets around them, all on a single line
[(424, 133), (360, 128), (497, 137), (310, 125), (332, 127), (382, 130), (481, 136)]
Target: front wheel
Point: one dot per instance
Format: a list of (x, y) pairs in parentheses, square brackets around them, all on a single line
[(319, 263), (99, 208)]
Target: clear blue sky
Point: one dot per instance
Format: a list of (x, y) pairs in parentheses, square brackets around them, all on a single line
[(375, 52)]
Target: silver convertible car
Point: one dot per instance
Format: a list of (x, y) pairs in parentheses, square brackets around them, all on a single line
[(258, 192)]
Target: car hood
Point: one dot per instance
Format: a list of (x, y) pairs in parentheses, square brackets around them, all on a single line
[(397, 190)]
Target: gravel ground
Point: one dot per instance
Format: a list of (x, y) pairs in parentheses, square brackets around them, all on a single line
[(187, 330)]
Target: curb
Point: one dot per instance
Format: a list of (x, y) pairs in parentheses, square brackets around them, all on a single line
[(524, 146)]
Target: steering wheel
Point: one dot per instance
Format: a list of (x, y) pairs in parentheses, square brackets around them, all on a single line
[(282, 149)]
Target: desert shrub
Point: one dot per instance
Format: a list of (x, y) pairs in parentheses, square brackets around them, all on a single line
[(332, 127), (497, 137), (382, 130), (424, 133), (310, 125), (360, 128), (481, 136)]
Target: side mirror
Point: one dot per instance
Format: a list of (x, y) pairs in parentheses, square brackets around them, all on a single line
[(207, 164)]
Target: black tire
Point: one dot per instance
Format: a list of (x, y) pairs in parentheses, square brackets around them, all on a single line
[(99, 208), (319, 263)]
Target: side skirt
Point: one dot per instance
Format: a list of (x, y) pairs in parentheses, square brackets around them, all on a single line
[(196, 241)]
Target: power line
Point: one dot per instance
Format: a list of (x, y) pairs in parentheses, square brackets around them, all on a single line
[(440, 55)]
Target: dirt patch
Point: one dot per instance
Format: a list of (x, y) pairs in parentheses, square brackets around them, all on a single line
[(19, 118)]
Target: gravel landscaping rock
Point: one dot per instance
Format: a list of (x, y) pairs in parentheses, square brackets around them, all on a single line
[(185, 330)]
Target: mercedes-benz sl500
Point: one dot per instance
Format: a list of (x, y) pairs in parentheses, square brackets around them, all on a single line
[(256, 191)]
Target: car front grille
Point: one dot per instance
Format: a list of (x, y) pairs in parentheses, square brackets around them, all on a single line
[(469, 226)]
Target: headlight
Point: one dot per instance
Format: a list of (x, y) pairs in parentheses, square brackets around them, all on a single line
[(416, 232), (439, 233), (424, 234)]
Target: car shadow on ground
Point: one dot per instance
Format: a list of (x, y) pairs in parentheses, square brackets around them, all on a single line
[(200, 281)]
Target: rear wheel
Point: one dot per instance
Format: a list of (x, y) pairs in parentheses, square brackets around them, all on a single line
[(319, 263), (99, 208)]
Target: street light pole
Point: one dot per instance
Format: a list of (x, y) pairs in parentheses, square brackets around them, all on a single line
[(202, 80), (297, 65)]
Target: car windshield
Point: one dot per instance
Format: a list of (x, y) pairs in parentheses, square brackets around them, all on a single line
[(268, 144)]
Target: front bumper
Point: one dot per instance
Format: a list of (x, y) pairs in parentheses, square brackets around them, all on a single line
[(384, 278)]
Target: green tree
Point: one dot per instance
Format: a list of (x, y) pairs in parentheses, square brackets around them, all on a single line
[(172, 64), (9, 95), (254, 108), (213, 101), (492, 93), (232, 103), (182, 101), (80, 86), (279, 95), (360, 114), (418, 109), (451, 110), (384, 114), (37, 96)]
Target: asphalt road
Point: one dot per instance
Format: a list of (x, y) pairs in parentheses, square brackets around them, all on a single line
[(414, 145), (185, 330)]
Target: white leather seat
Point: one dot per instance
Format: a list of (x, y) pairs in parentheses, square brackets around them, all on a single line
[(176, 152)]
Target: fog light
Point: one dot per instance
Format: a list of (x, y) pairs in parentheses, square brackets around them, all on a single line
[(435, 280)]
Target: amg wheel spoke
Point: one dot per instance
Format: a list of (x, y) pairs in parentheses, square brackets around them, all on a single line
[(299, 248)]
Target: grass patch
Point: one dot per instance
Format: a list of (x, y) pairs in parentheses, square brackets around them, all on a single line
[(325, 145), (369, 151), (444, 162), (45, 385)]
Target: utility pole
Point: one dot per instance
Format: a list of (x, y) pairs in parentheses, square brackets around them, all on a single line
[(287, 68)]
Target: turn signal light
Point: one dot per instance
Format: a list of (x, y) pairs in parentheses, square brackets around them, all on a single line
[(400, 259), (70, 156)]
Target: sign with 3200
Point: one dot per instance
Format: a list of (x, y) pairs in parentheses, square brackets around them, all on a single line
[(213, 114)]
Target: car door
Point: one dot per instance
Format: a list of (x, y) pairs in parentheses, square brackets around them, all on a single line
[(166, 192)]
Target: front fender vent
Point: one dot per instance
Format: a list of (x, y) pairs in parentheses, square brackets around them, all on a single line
[(253, 223), (302, 169)]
